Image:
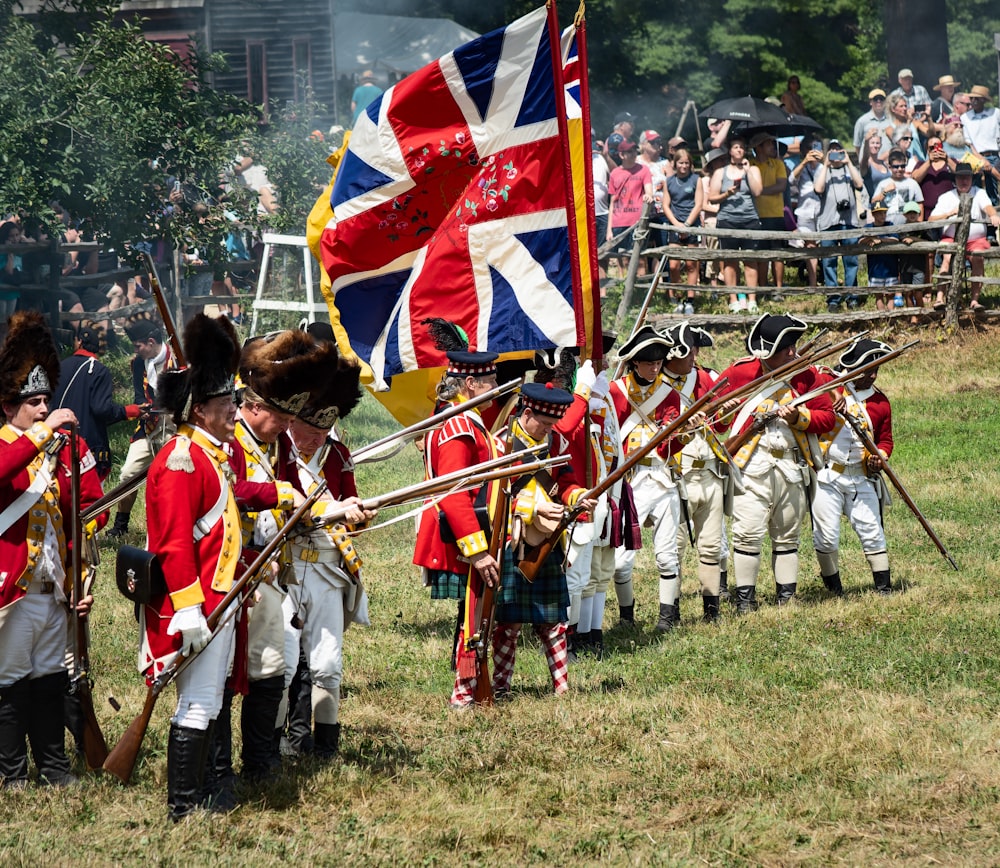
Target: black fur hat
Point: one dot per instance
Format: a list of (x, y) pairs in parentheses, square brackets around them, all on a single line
[(29, 361), (212, 349), (282, 368)]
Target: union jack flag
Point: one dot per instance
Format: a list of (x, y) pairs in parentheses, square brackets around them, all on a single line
[(450, 201)]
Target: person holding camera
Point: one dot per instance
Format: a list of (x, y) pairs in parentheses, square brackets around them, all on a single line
[(916, 95), (837, 183)]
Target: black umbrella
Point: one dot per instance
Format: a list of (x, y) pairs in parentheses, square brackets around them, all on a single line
[(748, 110), (795, 125)]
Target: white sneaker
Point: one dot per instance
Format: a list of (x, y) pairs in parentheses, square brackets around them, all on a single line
[(688, 309), (734, 307), (751, 307), (679, 308)]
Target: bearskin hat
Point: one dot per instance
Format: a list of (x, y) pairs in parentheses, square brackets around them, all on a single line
[(336, 397), (212, 348), (556, 366), (281, 369), (29, 361)]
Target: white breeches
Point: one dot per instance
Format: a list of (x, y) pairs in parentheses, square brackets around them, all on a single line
[(769, 505), (202, 681), (266, 626), (659, 506), (32, 638), (850, 496)]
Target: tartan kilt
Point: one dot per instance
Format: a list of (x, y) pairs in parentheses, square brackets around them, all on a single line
[(446, 585), (543, 601)]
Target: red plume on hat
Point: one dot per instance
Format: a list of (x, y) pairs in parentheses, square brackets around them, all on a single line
[(29, 361)]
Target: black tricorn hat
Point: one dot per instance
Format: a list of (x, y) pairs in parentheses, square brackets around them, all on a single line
[(646, 345), (773, 333), (862, 351), (212, 349), (29, 361)]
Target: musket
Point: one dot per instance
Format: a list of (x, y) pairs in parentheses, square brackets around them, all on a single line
[(117, 494), (738, 440), (534, 556), (95, 748), (869, 443), (369, 451), (121, 760), (161, 305), (481, 641)]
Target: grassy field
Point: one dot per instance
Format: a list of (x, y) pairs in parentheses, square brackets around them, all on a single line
[(854, 731)]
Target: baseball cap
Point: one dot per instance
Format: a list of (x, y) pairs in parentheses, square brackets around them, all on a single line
[(876, 92), (911, 208), (835, 145), (650, 136), (676, 142), (905, 72), (624, 117), (625, 145), (879, 206)]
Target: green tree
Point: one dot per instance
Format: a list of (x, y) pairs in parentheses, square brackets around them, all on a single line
[(97, 117)]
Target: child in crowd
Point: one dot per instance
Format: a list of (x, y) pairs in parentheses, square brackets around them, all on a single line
[(883, 268)]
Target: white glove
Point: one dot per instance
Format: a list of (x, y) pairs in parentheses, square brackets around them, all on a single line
[(191, 624), (596, 404), (585, 375), (601, 385)]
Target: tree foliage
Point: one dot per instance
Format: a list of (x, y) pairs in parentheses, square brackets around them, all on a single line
[(97, 117)]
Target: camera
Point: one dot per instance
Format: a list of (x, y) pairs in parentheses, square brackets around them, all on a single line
[(843, 204), (921, 107), (838, 156)]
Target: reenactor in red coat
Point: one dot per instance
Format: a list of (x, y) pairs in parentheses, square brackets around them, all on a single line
[(35, 579)]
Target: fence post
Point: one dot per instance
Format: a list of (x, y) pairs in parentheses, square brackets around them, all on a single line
[(638, 240), (954, 295)]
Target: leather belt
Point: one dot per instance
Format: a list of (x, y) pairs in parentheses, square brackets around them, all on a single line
[(42, 588), (783, 453), (698, 463), (849, 469)]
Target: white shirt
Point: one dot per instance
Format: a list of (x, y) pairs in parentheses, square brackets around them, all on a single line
[(601, 175), (980, 202), (983, 129)]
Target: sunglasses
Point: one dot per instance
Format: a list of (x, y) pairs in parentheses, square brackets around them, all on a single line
[(897, 166), (906, 138)]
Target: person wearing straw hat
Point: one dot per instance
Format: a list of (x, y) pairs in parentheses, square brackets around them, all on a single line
[(643, 400), (944, 103), (848, 483), (982, 128), (776, 460), (35, 581), (189, 490)]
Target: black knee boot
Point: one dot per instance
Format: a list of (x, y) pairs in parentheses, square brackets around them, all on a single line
[(46, 723), (834, 585), (298, 738), (73, 711), (219, 781), (724, 585), (185, 769), (785, 592), (15, 705), (711, 609), (626, 615), (746, 599), (261, 758), (327, 740)]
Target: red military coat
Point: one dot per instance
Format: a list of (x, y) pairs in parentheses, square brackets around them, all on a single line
[(815, 417), (461, 442), (188, 480), (20, 456), (665, 411)]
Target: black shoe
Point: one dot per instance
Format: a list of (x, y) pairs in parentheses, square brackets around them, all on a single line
[(833, 584), (883, 582), (670, 617), (746, 599), (326, 741), (785, 592), (711, 609), (119, 528), (626, 616)]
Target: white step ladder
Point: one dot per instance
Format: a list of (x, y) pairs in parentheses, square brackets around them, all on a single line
[(310, 307)]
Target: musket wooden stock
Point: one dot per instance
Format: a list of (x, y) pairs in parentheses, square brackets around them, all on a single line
[(161, 305), (869, 443), (121, 760), (95, 748), (117, 494), (534, 556)]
